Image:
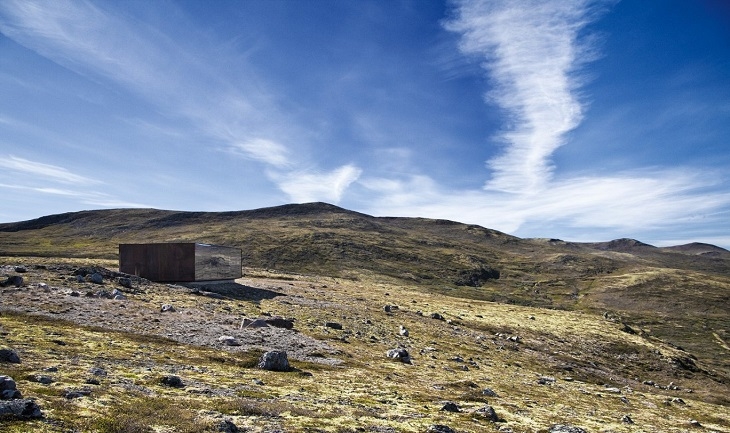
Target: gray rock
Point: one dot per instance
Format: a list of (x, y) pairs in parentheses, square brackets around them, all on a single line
[(228, 340), (15, 280), (333, 325), (280, 322), (546, 380), (172, 380), (80, 279), (227, 426), (9, 356), (439, 428), (96, 278), (488, 413), (10, 394), (400, 354), (489, 392), (403, 331), (43, 379), (97, 371), (627, 419), (21, 409), (21, 269), (274, 360), (167, 308), (450, 406), (125, 282), (560, 428), (71, 394)]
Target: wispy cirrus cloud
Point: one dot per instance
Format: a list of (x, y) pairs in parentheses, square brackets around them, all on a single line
[(238, 114), (531, 51), (47, 171), (306, 186)]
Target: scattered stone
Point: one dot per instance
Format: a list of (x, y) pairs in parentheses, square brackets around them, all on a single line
[(439, 428), (694, 423), (678, 400), (280, 322), (403, 331), (172, 381), (80, 279), (333, 325), (125, 282), (21, 409), (531, 317), (388, 308), (546, 380), (51, 369), (450, 406), (560, 428), (488, 413), (400, 354), (167, 308), (74, 294), (627, 419), (97, 371), (8, 389), (92, 381), (95, 278), (118, 295), (649, 382), (489, 392), (613, 390), (71, 394), (227, 426), (258, 382), (274, 360), (437, 316), (9, 356), (228, 340), (42, 379), (628, 329), (14, 280), (21, 269)]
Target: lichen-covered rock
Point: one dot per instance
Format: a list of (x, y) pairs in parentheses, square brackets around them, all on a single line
[(9, 355), (274, 360), (21, 408), (400, 354)]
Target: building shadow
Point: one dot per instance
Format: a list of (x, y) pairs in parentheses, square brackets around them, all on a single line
[(232, 290)]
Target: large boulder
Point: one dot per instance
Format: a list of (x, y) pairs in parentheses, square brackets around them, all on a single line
[(8, 389), (274, 360), (21, 408), (9, 355)]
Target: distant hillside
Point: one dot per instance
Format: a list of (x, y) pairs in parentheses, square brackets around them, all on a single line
[(687, 286)]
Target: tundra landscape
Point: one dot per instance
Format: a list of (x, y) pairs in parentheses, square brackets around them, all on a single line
[(387, 325)]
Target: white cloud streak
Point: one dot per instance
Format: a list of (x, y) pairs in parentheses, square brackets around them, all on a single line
[(310, 186), (48, 171), (102, 44), (531, 51)]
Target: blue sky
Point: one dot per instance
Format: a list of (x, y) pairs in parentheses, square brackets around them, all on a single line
[(581, 120)]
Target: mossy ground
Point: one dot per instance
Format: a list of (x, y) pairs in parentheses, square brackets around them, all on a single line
[(478, 345)]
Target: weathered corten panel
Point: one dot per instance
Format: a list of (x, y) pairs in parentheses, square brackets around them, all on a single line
[(180, 262)]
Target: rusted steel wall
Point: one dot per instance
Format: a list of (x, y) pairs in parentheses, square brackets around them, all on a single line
[(159, 262), (215, 262)]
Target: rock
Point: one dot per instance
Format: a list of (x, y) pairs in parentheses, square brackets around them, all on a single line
[(118, 295), (488, 413), (546, 380), (333, 325), (92, 381), (437, 316), (695, 423), (96, 278), (400, 354), (8, 389), (489, 392), (280, 322), (42, 379), (9, 356), (388, 309), (125, 282), (21, 269), (172, 381), (229, 340), (97, 371), (403, 331), (227, 426), (450, 406), (167, 308), (476, 277), (80, 279), (439, 428), (627, 419), (15, 280), (274, 360), (258, 382), (74, 294), (256, 323), (613, 390), (560, 428), (22, 409), (71, 394)]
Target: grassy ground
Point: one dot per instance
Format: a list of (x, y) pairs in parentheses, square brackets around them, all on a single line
[(546, 366)]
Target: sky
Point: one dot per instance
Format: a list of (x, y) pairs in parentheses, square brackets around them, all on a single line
[(584, 120)]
